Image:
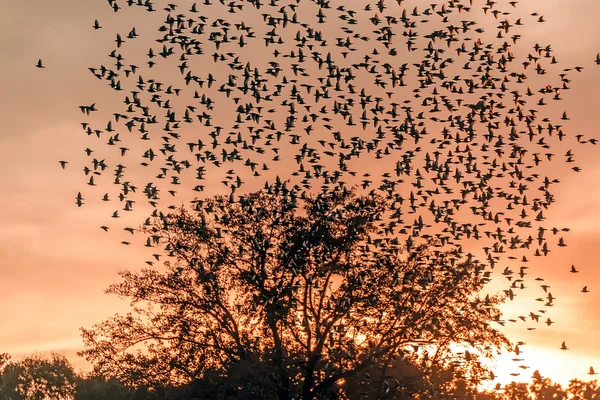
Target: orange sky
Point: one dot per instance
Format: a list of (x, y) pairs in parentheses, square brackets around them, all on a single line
[(55, 262)]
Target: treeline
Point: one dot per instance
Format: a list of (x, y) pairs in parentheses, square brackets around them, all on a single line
[(40, 377), (280, 297)]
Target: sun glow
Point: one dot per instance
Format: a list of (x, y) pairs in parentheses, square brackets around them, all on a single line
[(561, 368)]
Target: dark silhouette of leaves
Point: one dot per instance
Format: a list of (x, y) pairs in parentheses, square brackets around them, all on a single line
[(304, 283)]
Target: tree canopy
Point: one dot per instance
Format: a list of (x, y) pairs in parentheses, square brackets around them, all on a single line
[(37, 377), (309, 285)]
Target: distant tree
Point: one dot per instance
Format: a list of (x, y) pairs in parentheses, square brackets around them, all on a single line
[(39, 377), (544, 389), (579, 390), (311, 286), (541, 388), (516, 391), (4, 359)]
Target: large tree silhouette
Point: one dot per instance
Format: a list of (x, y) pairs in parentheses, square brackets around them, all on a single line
[(308, 287)]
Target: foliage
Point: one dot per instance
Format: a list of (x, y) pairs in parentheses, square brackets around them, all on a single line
[(541, 388), (38, 377), (516, 391), (413, 376), (544, 389), (579, 390), (418, 377), (308, 284), (99, 388)]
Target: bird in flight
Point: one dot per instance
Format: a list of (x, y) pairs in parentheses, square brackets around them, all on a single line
[(79, 200), (40, 64), (573, 269)]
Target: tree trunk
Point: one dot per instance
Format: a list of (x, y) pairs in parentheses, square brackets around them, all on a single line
[(309, 379), (284, 391)]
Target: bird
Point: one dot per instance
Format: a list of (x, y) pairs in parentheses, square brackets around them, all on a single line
[(79, 199), (40, 64), (592, 372), (564, 346), (545, 287), (96, 25), (573, 269), (585, 290), (63, 164)]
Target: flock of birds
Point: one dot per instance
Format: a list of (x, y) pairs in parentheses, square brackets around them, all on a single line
[(419, 103)]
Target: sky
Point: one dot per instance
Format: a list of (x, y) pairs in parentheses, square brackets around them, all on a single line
[(55, 261)]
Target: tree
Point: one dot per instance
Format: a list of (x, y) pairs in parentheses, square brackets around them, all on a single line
[(399, 379), (419, 377), (4, 359), (544, 389), (99, 388), (38, 377), (579, 390), (309, 285), (516, 391)]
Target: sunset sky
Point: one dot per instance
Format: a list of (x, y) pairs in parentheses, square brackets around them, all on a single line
[(55, 261)]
